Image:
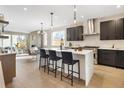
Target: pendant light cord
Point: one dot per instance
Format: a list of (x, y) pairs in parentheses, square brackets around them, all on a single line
[(51, 19), (75, 11)]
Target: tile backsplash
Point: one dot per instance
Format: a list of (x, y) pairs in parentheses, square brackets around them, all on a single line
[(94, 40)]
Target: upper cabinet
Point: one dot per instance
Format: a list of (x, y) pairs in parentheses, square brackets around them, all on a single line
[(107, 30), (75, 33), (112, 30), (119, 29)]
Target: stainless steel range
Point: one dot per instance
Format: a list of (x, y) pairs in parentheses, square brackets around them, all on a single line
[(94, 48)]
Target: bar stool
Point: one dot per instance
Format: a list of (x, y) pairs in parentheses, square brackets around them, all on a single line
[(44, 56), (54, 58), (67, 58)]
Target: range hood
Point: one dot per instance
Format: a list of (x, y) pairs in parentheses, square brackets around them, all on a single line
[(91, 30)]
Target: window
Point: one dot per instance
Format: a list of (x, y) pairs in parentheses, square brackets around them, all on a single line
[(45, 39), (19, 42), (57, 36), (14, 43)]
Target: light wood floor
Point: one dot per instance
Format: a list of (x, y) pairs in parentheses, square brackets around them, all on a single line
[(29, 76)]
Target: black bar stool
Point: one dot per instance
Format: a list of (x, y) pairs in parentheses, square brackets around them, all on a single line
[(44, 56), (54, 58), (67, 58)]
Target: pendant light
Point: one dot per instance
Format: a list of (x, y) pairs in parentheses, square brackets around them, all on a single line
[(51, 19), (41, 30), (75, 14)]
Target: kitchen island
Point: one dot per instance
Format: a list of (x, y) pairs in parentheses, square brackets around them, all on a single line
[(86, 62), (8, 61)]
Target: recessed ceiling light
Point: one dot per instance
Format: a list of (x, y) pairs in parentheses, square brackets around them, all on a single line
[(118, 6), (25, 9)]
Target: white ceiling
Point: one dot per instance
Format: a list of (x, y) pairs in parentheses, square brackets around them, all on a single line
[(27, 21)]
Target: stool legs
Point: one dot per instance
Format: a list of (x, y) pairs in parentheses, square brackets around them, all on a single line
[(39, 63), (53, 64), (71, 71), (48, 66), (55, 68), (72, 76), (44, 64), (78, 70), (47, 62), (62, 68), (68, 69)]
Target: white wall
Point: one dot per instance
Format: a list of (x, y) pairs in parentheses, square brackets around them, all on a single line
[(93, 40)]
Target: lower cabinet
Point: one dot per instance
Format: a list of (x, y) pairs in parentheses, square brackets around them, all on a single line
[(113, 58), (120, 59), (106, 57), (9, 66)]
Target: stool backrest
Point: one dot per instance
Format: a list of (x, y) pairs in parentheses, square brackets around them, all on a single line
[(42, 52), (52, 54), (67, 56)]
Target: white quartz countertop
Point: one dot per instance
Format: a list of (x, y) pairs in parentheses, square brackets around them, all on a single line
[(2, 54), (83, 52)]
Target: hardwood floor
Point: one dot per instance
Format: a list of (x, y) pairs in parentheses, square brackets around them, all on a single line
[(29, 76)]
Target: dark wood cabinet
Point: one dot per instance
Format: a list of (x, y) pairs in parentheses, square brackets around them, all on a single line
[(106, 57), (107, 30), (75, 33), (112, 29), (119, 29), (71, 34), (68, 34), (80, 33), (120, 59), (113, 58)]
